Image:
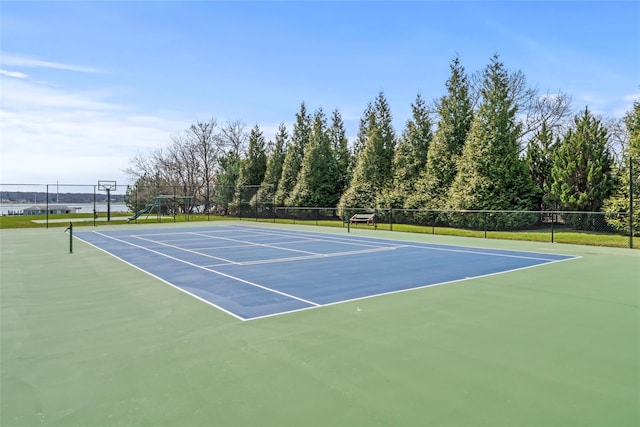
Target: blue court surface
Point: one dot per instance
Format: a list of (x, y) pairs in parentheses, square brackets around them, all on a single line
[(253, 272)]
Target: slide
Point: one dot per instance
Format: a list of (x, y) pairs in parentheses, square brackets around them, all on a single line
[(140, 212)]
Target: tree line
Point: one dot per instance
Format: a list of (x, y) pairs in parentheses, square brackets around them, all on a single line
[(490, 142)]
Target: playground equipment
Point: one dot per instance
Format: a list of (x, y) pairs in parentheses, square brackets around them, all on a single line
[(164, 200), (141, 212)]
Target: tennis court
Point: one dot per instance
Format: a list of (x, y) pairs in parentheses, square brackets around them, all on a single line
[(342, 329), (252, 272)]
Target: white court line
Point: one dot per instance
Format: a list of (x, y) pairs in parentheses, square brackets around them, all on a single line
[(209, 270), (311, 255), (428, 247), (329, 255), (411, 289), (328, 239), (316, 305), (466, 251), (224, 310), (245, 245), (258, 244), (183, 249), (315, 238)]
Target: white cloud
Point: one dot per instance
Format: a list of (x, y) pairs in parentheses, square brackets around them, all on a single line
[(51, 134), (14, 74), (25, 61), (23, 95)]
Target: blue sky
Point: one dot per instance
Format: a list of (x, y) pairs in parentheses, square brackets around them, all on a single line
[(85, 86)]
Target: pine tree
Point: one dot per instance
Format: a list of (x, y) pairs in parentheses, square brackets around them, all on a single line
[(294, 156), (455, 114), (619, 202), (491, 175), (361, 139), (226, 180), (540, 153), (583, 166), (373, 166), (272, 175), (252, 167), (343, 159), (384, 120), (410, 157), (316, 183)]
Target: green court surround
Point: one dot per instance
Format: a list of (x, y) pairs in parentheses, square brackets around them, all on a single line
[(87, 340)]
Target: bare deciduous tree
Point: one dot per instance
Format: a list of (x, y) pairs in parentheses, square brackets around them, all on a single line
[(235, 137), (534, 109), (618, 138)]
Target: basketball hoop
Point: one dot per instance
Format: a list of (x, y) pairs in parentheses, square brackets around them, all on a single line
[(107, 185)]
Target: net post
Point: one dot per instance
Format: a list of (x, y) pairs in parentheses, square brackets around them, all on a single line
[(70, 229)]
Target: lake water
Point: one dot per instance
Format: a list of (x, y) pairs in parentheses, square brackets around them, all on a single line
[(6, 209)]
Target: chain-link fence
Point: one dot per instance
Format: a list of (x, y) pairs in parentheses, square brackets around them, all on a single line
[(52, 203), (527, 225), (45, 203), (488, 221)]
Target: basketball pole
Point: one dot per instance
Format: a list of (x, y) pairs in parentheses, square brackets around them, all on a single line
[(107, 186), (108, 204)]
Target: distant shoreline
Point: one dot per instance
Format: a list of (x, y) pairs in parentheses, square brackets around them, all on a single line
[(8, 209)]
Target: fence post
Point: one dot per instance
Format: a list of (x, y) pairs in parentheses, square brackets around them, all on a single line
[(348, 219), (485, 224), (433, 224), (553, 223), (375, 214), (631, 159), (136, 202), (95, 209), (47, 206), (390, 219)]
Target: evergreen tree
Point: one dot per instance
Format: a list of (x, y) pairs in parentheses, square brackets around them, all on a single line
[(619, 202), (582, 171), (343, 159), (410, 157), (540, 153), (272, 175), (373, 166), (455, 114), (491, 175), (253, 166), (384, 120), (363, 128), (294, 156), (226, 179), (316, 183)]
